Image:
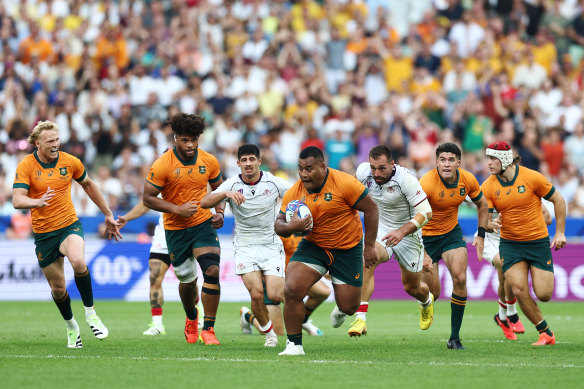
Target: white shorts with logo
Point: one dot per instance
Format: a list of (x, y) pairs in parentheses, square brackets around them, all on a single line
[(409, 252), (269, 258), (491, 249), (159, 241)]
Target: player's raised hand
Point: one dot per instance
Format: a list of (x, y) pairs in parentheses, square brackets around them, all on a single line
[(479, 243), (113, 228), (188, 209), (559, 241), (236, 197), (46, 197)]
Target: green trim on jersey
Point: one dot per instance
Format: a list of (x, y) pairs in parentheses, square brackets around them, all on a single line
[(46, 165)]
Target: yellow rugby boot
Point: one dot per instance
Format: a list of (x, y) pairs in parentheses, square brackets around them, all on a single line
[(358, 328), (427, 314)]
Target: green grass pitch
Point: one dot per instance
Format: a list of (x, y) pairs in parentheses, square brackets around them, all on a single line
[(395, 353)]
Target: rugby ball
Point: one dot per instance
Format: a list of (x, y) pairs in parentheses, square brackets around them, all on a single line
[(301, 209)]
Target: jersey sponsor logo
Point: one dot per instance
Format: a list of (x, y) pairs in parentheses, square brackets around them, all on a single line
[(177, 171), (202, 169), (498, 193), (40, 256), (441, 194), (16, 177), (357, 276), (549, 262), (521, 189), (314, 199), (462, 191), (190, 171), (390, 189), (240, 191), (508, 191), (253, 192), (75, 229), (328, 196), (51, 173), (62, 171), (38, 173), (151, 175), (267, 192), (452, 194), (369, 184)]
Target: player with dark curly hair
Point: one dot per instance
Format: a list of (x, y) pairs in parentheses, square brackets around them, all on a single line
[(181, 176)]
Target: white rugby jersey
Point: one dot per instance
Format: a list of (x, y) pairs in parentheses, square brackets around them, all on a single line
[(254, 219), (396, 198)]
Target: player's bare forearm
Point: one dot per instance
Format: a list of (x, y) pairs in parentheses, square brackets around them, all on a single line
[(483, 212), (370, 219), (158, 204), (212, 199), (282, 228), (560, 211), (95, 195), (139, 210)]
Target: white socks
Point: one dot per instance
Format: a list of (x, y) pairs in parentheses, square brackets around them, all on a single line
[(157, 320), (72, 324), (268, 329), (502, 310), (427, 302), (89, 311)]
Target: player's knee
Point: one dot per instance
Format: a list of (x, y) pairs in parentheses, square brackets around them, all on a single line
[(544, 296), (209, 264), (77, 263), (291, 293), (58, 291), (459, 280), (275, 297), (348, 308), (257, 295)]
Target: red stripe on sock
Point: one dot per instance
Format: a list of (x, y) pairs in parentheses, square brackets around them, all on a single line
[(502, 305), (197, 301), (156, 311), (512, 302), (269, 329), (363, 308)]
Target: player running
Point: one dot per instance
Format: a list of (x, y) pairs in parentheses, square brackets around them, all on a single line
[(43, 185), (447, 186), (335, 243), (516, 192), (259, 254), (403, 210), (181, 175)]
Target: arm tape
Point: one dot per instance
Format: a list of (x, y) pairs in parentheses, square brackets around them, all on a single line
[(423, 209)]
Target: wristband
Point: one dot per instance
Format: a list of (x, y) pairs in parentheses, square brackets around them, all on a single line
[(222, 212), (481, 232)]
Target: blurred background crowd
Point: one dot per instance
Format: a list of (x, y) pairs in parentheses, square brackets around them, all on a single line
[(343, 75)]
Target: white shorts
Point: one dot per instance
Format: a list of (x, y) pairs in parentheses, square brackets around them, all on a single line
[(491, 248), (187, 272), (409, 252), (159, 241), (270, 258)]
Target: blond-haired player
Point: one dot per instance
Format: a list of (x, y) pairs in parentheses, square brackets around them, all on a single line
[(43, 185)]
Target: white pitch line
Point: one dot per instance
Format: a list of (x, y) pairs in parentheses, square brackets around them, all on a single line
[(302, 360)]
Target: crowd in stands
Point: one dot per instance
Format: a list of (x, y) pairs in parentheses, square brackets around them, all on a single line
[(343, 75)]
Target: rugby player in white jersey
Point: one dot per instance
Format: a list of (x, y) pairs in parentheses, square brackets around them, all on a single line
[(253, 197), (158, 264), (403, 210)]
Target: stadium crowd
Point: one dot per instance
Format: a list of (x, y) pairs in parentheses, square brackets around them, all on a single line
[(343, 75)]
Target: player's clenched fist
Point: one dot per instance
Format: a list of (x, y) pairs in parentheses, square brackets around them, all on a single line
[(188, 209)]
